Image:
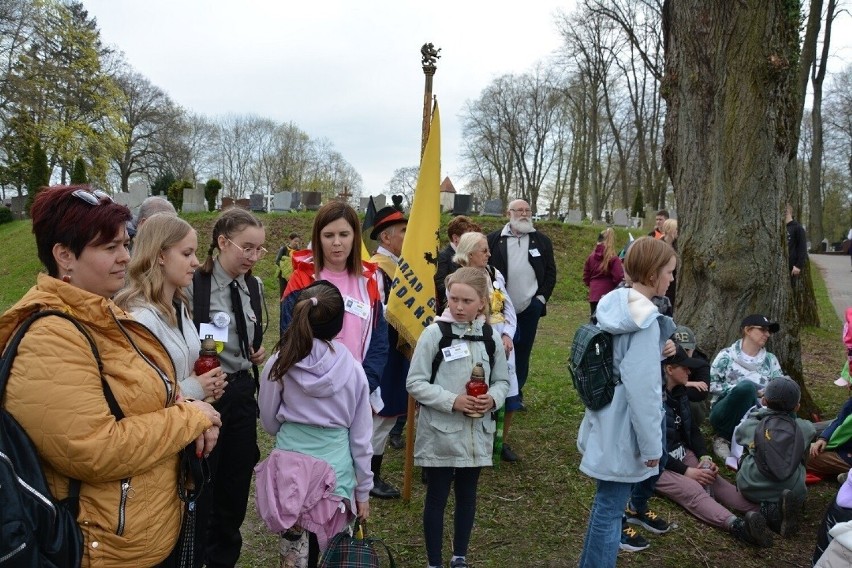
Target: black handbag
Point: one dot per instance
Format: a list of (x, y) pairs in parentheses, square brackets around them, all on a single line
[(36, 530), (355, 550)]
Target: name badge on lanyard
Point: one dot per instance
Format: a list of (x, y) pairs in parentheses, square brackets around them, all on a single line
[(356, 307), (455, 351)]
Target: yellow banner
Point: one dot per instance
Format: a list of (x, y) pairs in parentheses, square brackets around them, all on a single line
[(411, 305)]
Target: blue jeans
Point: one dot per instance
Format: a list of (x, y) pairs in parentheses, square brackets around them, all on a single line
[(644, 490), (600, 549)]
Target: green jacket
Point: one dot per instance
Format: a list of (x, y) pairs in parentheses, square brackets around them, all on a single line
[(750, 482)]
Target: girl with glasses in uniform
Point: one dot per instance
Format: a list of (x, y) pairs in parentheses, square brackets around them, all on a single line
[(221, 296)]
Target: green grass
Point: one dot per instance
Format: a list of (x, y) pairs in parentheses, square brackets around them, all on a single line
[(532, 513)]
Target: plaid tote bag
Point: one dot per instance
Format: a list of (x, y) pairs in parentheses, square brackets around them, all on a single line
[(359, 551)]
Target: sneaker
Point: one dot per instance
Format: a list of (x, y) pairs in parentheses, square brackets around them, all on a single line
[(648, 520), (293, 550), (507, 455), (632, 541), (791, 507), (722, 448), (841, 477), (458, 563), (752, 529)]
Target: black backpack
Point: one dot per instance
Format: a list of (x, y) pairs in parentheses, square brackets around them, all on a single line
[(779, 446), (447, 337), (36, 530), (591, 366)]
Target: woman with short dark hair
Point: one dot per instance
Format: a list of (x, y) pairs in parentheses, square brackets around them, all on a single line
[(129, 512)]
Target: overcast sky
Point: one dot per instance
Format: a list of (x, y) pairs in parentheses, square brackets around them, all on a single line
[(344, 70)]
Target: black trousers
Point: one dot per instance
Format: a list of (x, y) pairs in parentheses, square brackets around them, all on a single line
[(222, 505)]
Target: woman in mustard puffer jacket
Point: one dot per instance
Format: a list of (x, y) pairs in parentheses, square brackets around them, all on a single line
[(130, 513)]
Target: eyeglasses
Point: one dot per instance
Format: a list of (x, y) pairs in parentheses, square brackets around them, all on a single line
[(522, 211), (248, 253), (91, 197)]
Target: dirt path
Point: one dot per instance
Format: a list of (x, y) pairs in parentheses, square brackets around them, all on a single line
[(837, 273)]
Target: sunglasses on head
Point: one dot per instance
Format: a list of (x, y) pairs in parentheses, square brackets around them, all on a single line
[(93, 197)]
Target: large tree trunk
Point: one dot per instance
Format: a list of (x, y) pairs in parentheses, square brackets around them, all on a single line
[(729, 83)]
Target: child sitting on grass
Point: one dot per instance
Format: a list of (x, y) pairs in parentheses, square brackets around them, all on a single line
[(775, 442)]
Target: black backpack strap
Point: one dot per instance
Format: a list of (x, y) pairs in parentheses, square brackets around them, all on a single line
[(73, 499), (257, 305), (201, 297), (447, 337), (446, 340)]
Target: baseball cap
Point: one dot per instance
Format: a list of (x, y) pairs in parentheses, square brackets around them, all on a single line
[(684, 337), (681, 358), (783, 392), (760, 321)]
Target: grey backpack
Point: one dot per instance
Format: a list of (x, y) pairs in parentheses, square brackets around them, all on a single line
[(779, 446)]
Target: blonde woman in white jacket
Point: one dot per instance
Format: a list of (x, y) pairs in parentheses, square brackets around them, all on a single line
[(162, 264)]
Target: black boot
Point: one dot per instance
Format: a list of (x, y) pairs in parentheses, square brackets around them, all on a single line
[(782, 516), (791, 507), (381, 488), (752, 529), (772, 513)]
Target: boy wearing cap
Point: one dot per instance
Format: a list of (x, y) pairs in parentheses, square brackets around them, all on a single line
[(738, 375), (698, 386), (780, 501), (699, 489)]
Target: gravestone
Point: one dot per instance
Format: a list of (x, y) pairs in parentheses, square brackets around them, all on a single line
[(256, 202), (227, 203), (19, 207), (620, 218), (296, 203), (463, 204), (574, 216), (312, 200), (242, 203), (136, 193), (378, 200), (493, 207), (193, 200), (282, 201)]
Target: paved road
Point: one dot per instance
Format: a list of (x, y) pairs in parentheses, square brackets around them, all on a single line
[(837, 273)]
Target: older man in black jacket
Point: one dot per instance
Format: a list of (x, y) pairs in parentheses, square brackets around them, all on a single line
[(525, 257)]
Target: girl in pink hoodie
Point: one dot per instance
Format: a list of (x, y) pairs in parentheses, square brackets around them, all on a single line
[(314, 398)]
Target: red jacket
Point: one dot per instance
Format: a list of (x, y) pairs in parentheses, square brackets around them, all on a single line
[(599, 283)]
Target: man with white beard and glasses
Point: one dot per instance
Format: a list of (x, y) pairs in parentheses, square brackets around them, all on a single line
[(525, 257)]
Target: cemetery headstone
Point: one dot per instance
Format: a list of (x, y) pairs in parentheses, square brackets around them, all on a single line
[(194, 200), (257, 202), (227, 203), (282, 201), (574, 216), (620, 218), (463, 204), (493, 207), (312, 200), (242, 203)]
